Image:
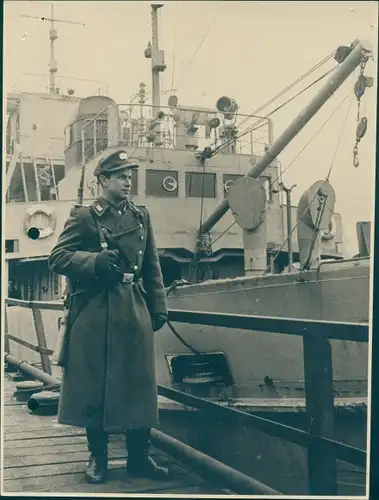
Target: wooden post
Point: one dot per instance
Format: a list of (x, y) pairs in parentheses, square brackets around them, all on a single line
[(318, 377), (41, 339), (7, 347)]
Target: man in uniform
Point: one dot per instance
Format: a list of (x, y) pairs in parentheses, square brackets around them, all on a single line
[(108, 382)]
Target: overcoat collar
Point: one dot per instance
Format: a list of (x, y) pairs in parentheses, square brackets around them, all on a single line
[(115, 222)]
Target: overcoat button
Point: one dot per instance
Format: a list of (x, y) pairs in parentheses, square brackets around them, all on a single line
[(135, 268)]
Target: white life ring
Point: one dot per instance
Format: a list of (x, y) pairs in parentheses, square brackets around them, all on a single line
[(329, 233), (48, 212)]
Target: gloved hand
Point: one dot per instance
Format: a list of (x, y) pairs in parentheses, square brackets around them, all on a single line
[(158, 320), (106, 266)]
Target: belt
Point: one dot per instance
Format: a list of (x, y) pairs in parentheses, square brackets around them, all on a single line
[(130, 278)]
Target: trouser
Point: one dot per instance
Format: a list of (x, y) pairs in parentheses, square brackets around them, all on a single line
[(137, 441)]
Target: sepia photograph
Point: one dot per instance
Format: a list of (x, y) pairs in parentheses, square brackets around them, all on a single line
[(187, 273)]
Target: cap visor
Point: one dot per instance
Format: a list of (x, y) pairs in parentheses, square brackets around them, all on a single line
[(125, 166)]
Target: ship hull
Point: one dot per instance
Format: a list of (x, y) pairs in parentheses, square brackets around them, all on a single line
[(267, 369)]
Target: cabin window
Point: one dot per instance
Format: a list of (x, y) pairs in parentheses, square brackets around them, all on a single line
[(16, 190), (11, 246), (47, 187), (19, 187), (228, 180), (101, 128), (101, 135), (162, 183), (200, 185), (9, 138)]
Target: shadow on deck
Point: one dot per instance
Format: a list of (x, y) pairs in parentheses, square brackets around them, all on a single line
[(41, 455)]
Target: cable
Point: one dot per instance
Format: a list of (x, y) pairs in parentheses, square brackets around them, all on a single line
[(198, 48), (330, 169), (291, 163), (339, 140), (256, 125), (289, 87), (174, 285), (202, 196), (286, 89)]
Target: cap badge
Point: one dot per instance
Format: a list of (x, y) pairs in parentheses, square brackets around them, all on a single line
[(123, 156)]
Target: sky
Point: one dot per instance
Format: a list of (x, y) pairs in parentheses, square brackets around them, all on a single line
[(249, 51)]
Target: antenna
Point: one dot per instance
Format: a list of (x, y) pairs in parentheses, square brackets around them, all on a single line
[(157, 62), (53, 68)]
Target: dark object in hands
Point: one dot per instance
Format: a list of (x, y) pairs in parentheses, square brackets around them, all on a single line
[(158, 320), (106, 266)]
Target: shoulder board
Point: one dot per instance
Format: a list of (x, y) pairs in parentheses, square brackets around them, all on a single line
[(137, 208), (77, 209)]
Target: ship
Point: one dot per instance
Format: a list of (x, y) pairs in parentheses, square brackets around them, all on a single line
[(225, 238)]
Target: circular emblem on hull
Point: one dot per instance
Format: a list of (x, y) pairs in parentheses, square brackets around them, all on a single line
[(169, 183), (33, 230)]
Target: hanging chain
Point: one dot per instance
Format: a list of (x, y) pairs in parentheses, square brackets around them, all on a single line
[(359, 89)]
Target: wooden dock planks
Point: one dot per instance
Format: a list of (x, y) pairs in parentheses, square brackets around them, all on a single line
[(41, 455)]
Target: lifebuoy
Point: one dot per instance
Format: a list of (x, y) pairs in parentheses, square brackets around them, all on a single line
[(40, 209), (329, 233)]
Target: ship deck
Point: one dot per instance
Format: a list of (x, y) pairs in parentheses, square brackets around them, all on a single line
[(41, 455)]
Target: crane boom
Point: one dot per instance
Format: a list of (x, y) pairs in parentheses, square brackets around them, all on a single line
[(358, 51)]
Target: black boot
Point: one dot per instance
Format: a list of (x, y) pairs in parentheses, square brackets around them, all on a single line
[(139, 462), (97, 466)]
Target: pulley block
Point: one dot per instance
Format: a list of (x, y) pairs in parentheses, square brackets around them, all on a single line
[(361, 128), (360, 87), (341, 54)]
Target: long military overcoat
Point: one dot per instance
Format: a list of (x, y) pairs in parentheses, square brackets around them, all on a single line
[(109, 374)]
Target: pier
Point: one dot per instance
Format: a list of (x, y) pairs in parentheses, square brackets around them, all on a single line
[(41, 455)]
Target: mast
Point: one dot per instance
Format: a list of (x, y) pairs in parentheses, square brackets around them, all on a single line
[(53, 68), (155, 45), (357, 52), (157, 65), (53, 36)]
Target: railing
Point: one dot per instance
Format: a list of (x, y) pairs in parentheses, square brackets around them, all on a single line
[(323, 450), (137, 124)]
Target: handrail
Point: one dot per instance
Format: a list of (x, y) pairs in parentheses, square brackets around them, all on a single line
[(337, 330), (318, 377)]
